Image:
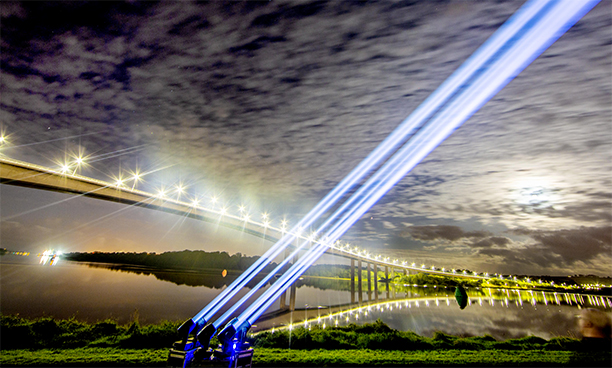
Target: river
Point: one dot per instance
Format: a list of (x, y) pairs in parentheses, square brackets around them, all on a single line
[(96, 292)]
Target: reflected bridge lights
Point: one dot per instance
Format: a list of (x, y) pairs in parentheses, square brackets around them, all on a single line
[(50, 257), (504, 296)]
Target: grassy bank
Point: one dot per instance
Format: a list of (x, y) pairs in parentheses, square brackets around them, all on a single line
[(49, 342), (113, 357)]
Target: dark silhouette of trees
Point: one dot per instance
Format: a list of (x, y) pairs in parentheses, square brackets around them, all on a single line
[(197, 260)]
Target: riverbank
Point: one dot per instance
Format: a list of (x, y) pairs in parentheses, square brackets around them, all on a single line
[(49, 342)]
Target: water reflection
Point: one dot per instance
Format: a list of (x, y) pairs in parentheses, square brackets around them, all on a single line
[(93, 293), (213, 280), (462, 297), (50, 258), (502, 313), (218, 280)]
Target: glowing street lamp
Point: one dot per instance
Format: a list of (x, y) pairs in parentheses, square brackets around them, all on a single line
[(180, 189), (78, 162), (65, 168), (135, 178)]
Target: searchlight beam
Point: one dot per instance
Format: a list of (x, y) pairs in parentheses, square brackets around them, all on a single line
[(531, 30)]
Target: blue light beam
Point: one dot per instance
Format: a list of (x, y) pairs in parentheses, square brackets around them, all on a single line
[(545, 27), (394, 140)]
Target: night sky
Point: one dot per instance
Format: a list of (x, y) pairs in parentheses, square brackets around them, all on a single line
[(270, 104)]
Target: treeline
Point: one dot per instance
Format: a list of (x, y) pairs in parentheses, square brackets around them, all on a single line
[(197, 260), (325, 270), (439, 280)]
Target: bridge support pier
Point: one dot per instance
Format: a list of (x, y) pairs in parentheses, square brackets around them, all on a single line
[(352, 281), (369, 282), (282, 301), (359, 287), (292, 290), (292, 297), (387, 280), (375, 282)]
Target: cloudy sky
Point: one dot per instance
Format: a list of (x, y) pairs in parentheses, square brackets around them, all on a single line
[(270, 104)]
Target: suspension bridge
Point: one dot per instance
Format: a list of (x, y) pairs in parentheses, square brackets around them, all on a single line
[(63, 180)]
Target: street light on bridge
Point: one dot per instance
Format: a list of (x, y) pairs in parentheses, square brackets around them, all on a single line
[(135, 179), (179, 190), (65, 168), (78, 162)]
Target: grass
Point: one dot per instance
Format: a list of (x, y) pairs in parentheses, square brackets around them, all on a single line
[(85, 357), (49, 342), (115, 357), (48, 333)]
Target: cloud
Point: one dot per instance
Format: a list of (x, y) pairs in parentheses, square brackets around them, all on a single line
[(572, 245), (542, 251), (490, 242), (275, 102), (441, 232)]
